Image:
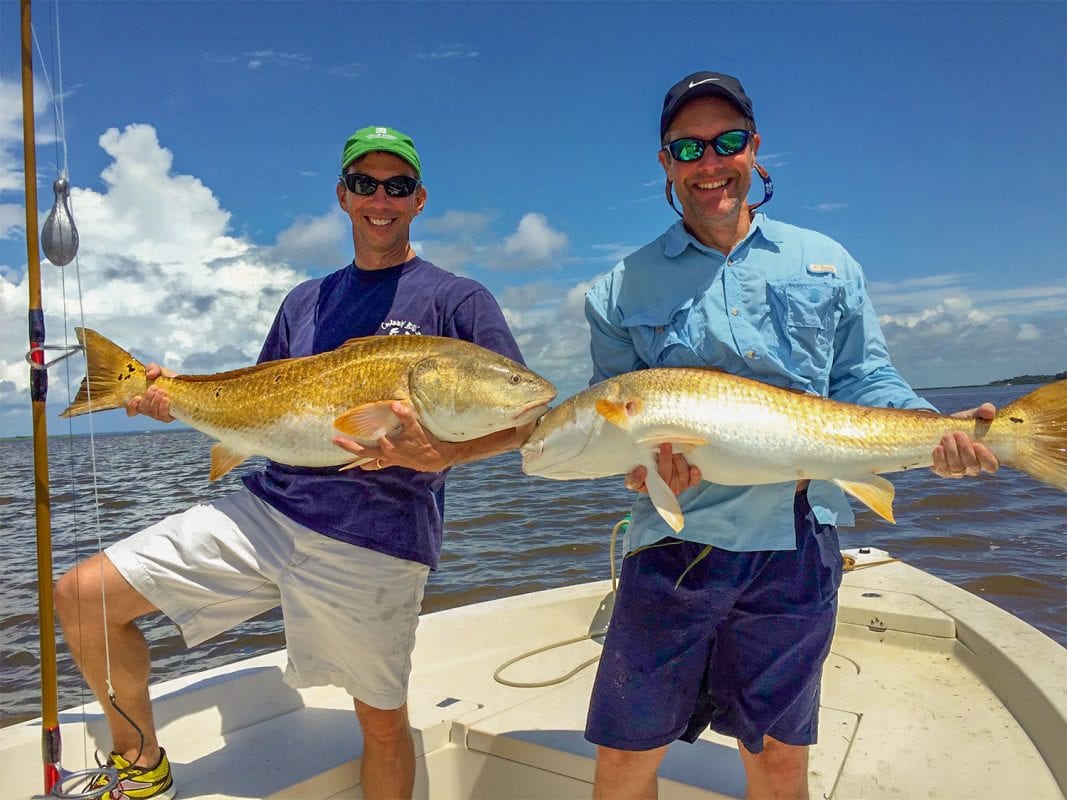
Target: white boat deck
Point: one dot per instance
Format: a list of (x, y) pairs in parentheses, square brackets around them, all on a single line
[(929, 692)]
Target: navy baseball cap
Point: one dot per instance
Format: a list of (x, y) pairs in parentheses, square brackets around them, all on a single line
[(703, 84)]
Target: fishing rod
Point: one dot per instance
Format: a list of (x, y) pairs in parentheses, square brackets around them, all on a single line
[(59, 241), (51, 746)]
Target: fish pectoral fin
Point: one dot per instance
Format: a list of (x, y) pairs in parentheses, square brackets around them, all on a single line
[(368, 422), (223, 459), (617, 413), (874, 491), (354, 464), (664, 500)]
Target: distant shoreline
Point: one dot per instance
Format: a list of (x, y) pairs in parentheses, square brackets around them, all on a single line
[(1022, 380)]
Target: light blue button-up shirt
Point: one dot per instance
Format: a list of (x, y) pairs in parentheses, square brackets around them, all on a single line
[(787, 306)]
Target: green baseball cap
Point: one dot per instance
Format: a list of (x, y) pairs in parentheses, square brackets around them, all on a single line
[(378, 139)]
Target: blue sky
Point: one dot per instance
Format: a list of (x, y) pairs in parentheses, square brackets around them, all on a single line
[(203, 143)]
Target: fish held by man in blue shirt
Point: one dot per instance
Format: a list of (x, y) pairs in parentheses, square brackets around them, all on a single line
[(289, 410), (742, 432)]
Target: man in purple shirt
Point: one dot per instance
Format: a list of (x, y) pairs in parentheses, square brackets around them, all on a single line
[(346, 554)]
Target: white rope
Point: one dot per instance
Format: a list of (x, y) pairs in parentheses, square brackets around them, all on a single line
[(565, 642)]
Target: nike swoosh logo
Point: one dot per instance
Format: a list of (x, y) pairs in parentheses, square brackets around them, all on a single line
[(706, 80)]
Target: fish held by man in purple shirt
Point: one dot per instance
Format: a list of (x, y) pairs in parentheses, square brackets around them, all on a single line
[(289, 410)]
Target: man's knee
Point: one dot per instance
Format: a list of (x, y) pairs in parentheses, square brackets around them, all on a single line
[(72, 592), (781, 756), (383, 725), (626, 760), (79, 593), (781, 770)]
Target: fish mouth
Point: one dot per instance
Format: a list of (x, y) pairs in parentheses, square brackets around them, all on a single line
[(532, 411)]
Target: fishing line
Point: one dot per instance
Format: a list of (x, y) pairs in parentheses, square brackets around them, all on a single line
[(57, 102)]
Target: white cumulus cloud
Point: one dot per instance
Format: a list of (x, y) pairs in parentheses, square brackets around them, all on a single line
[(463, 240), (533, 244), (942, 333), (316, 242), (159, 270)]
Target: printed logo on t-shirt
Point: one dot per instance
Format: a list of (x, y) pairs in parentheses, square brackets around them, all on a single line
[(400, 327)]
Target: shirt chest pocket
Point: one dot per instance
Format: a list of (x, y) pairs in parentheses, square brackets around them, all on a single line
[(803, 304), (805, 317), (662, 337)]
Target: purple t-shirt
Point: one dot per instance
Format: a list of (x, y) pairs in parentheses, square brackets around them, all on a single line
[(395, 511)]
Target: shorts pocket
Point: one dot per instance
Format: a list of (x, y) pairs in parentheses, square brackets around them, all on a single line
[(830, 555)]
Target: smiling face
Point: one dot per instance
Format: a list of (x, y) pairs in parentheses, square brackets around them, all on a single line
[(381, 224), (713, 190)]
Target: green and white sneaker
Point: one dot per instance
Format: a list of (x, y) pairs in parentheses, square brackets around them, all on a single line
[(138, 783)]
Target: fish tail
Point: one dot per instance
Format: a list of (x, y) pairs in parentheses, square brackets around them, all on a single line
[(113, 376), (1042, 452)]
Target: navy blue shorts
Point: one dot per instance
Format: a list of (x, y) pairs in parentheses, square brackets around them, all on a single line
[(739, 645)]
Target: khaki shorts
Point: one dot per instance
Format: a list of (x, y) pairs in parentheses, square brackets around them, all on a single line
[(350, 613)]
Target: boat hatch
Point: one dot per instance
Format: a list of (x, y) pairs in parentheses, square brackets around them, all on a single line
[(880, 610)]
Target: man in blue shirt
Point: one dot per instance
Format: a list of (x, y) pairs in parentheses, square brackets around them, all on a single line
[(346, 554), (739, 644)]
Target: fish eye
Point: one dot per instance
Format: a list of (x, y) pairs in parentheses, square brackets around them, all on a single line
[(515, 377)]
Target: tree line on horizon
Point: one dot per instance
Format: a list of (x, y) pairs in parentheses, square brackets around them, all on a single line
[(1059, 376)]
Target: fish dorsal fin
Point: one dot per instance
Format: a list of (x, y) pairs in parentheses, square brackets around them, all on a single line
[(874, 491), (223, 459), (663, 499), (617, 413), (733, 376), (235, 373), (356, 463), (399, 341), (368, 422), (355, 342)]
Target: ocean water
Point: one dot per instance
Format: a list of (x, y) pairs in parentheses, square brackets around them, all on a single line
[(1001, 537)]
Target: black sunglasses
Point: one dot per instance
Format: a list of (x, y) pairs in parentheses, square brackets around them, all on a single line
[(396, 186), (727, 143)]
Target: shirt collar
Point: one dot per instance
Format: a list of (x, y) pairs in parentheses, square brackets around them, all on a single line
[(677, 238)]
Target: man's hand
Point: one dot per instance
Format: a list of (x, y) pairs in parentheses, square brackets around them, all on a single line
[(958, 455), (154, 402), (409, 446), (673, 468), (414, 447)]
